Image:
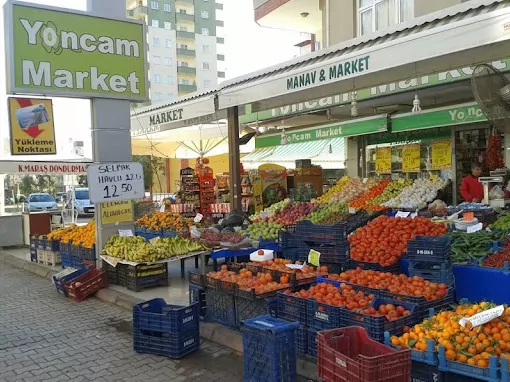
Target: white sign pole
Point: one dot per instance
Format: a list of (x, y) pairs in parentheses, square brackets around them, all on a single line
[(111, 138)]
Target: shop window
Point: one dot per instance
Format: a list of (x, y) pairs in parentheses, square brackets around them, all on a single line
[(155, 23), (155, 41), (375, 15), (205, 31), (167, 7), (204, 14), (154, 5), (168, 25)]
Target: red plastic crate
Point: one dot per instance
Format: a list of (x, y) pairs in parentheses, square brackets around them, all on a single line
[(349, 355), (88, 284)]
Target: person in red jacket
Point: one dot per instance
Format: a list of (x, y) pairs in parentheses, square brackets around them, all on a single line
[(471, 189)]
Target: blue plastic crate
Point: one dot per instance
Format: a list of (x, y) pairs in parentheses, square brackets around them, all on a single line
[(302, 340), (166, 344), (66, 260), (490, 374), (288, 240), (330, 253), (292, 308), (323, 316), (445, 303), (376, 326), (307, 231), (375, 266), (158, 316), (88, 253), (269, 350), (452, 377), (53, 245), (429, 248), (197, 295), (65, 248), (248, 308), (421, 372), (428, 357), (61, 281), (33, 254), (431, 271), (312, 342), (272, 306), (41, 243), (220, 308)]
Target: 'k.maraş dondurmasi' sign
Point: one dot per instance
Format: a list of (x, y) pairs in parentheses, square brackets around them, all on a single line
[(55, 52)]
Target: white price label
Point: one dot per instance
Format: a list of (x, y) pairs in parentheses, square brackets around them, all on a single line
[(365, 180), (483, 317), (115, 181), (352, 210), (125, 232), (474, 228), (198, 218), (413, 215), (402, 214)]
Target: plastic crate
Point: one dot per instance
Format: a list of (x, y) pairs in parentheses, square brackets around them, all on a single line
[(111, 273), (323, 316), (421, 372), (349, 355), (65, 248), (76, 250), (89, 283), (66, 276), (312, 342), (272, 306), (269, 350), (308, 231), (34, 241), (490, 374), (292, 308), (220, 308), (158, 316), (302, 340), (375, 266), (197, 295), (166, 344), (428, 357), (88, 253), (429, 248), (247, 309), (33, 254), (330, 253), (142, 276), (452, 377), (41, 242), (288, 240), (67, 261), (435, 272), (53, 245)]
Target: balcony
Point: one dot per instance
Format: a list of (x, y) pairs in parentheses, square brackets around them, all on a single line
[(187, 88), (181, 16), (221, 74), (186, 35), (220, 40), (220, 23), (219, 6), (186, 70), (186, 52), (137, 12), (221, 57)]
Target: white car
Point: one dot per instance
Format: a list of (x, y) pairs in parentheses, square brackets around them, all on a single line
[(40, 202)]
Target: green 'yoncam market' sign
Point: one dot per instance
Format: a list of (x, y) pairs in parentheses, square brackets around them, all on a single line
[(57, 52)]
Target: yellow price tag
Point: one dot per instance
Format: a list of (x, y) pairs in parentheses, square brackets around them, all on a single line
[(313, 257), (401, 181)]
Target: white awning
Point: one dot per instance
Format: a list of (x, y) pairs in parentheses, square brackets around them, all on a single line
[(459, 36), (43, 168)]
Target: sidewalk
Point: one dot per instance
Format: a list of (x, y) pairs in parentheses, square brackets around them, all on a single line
[(176, 293)]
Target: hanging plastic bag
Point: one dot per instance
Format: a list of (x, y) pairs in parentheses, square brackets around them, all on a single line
[(496, 193)]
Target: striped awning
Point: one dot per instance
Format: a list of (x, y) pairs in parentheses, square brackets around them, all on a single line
[(316, 151), (258, 155)]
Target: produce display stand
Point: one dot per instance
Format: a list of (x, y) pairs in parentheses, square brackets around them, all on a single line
[(234, 254)]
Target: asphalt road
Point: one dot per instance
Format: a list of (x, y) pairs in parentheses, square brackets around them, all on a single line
[(45, 337)]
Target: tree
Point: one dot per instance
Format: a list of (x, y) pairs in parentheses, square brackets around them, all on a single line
[(83, 181), (42, 183), (27, 185), (152, 167)]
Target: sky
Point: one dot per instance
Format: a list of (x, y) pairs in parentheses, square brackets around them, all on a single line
[(246, 50)]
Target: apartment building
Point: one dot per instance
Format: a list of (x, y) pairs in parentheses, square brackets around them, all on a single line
[(185, 45), (334, 21)]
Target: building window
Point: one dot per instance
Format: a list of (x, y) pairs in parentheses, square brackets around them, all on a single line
[(156, 60), (154, 5), (169, 97), (375, 15), (157, 96), (167, 7), (204, 14), (205, 66), (207, 83), (168, 61), (184, 64), (184, 82), (169, 79), (183, 46), (156, 78), (205, 31), (168, 43), (155, 23), (206, 48), (155, 41), (168, 25), (183, 29)]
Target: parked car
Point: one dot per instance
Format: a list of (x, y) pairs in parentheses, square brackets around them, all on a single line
[(40, 202), (82, 204)]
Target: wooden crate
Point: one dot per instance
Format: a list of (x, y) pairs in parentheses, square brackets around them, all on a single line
[(48, 258)]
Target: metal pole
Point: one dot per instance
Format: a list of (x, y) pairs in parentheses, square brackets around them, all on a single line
[(234, 157)]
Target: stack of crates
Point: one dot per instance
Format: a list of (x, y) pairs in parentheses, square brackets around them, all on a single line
[(269, 351), (166, 330), (430, 258)]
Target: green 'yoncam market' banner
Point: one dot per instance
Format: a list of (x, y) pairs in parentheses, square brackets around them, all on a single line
[(338, 130), (66, 53)]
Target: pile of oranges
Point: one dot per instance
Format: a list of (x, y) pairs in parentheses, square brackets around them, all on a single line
[(81, 235), (57, 234), (470, 345), (162, 220)]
